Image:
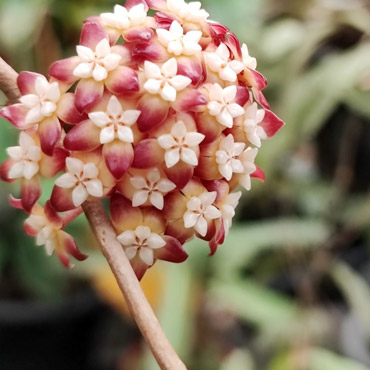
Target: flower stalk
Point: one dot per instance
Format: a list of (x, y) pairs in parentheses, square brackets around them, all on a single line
[(117, 259)]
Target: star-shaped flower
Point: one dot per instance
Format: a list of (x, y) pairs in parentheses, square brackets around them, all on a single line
[(247, 158), (249, 62), (200, 210), (190, 12), (83, 178), (164, 80), (141, 241), (228, 209), (252, 128), (26, 158), (177, 43), (180, 144), (115, 122), (122, 19), (227, 157), (222, 104), (220, 62), (44, 102), (152, 188), (45, 232), (96, 63)]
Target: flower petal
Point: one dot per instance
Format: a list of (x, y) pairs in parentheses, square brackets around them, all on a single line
[(30, 192), (79, 195), (147, 256), (5, 170), (173, 251), (51, 165), (154, 112), (49, 132), (123, 80), (124, 216), (61, 199), (271, 123), (118, 157), (180, 174), (193, 68), (67, 111), (82, 137), (91, 35), (88, 92), (68, 243), (62, 70), (16, 115), (148, 154), (26, 82)]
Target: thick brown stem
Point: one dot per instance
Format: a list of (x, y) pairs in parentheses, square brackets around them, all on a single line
[(8, 78), (130, 287), (140, 309)]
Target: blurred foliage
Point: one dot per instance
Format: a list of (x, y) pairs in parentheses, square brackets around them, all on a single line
[(289, 289)]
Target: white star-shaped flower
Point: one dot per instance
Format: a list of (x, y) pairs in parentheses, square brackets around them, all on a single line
[(220, 62), (227, 157), (228, 209), (249, 62), (200, 210), (26, 158), (44, 102), (115, 122), (45, 232), (190, 12), (222, 104), (252, 119), (164, 80), (151, 187), (180, 145), (247, 158), (96, 64), (83, 178), (141, 241), (122, 19), (177, 43)]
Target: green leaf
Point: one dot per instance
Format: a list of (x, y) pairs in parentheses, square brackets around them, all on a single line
[(356, 290), (314, 359), (245, 242), (175, 313), (238, 360), (322, 359)]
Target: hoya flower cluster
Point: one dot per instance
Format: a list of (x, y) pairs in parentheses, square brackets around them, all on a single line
[(161, 112)]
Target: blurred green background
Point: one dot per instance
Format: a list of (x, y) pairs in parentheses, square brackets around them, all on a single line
[(289, 289)]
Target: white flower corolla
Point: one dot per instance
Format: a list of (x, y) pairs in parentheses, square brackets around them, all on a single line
[(142, 242), (177, 43), (251, 125), (180, 145), (222, 104), (228, 209), (44, 102), (26, 158), (115, 122), (247, 158), (191, 12), (122, 19), (249, 62), (164, 80), (227, 157), (96, 63), (45, 232), (82, 178), (200, 210), (152, 188), (220, 62)]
